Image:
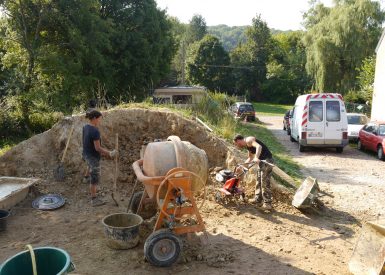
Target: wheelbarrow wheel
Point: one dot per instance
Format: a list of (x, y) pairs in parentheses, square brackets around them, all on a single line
[(147, 211), (134, 205), (162, 248)]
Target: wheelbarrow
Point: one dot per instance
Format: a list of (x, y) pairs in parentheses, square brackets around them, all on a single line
[(369, 254), (178, 212)]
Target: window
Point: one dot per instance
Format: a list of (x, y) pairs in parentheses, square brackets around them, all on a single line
[(182, 99), (333, 111), (381, 130), (357, 119), (161, 100), (315, 111), (246, 108), (369, 128)]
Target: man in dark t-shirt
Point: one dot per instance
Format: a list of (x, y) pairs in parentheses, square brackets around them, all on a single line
[(258, 151), (92, 151), (90, 134)]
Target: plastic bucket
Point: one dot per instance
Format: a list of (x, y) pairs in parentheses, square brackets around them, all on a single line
[(49, 261), (122, 230), (4, 214)]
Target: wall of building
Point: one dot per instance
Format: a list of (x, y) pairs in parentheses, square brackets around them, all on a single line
[(378, 102)]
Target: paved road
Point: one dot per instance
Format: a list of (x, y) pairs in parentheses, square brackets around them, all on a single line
[(356, 179)]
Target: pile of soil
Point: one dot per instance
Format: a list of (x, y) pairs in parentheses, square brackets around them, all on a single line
[(40, 155)]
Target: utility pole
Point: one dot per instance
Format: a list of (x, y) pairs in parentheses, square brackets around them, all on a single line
[(183, 61)]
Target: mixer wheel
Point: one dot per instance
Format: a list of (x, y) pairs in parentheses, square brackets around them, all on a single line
[(162, 248)]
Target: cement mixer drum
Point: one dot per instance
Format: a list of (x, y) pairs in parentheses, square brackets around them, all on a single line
[(161, 157)]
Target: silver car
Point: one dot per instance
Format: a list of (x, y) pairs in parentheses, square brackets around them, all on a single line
[(355, 124)]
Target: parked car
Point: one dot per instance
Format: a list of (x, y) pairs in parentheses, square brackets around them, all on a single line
[(319, 120), (286, 121), (355, 123), (243, 110), (372, 137)]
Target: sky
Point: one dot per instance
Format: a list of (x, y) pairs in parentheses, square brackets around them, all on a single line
[(279, 14)]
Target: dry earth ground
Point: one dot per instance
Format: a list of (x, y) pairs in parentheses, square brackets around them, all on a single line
[(241, 239)]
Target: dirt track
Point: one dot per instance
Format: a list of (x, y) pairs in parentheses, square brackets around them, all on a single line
[(356, 179), (242, 239)]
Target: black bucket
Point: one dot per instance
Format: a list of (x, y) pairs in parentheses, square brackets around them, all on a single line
[(4, 214), (122, 230)]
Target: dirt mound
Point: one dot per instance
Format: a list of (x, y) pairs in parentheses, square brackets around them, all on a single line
[(39, 155)]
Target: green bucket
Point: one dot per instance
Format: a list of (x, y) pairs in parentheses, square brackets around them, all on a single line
[(49, 261)]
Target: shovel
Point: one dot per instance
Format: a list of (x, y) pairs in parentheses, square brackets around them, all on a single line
[(116, 169), (59, 172)]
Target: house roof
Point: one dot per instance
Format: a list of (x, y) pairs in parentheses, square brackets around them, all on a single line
[(180, 90), (381, 39)]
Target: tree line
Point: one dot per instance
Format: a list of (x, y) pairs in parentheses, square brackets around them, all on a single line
[(57, 54), (335, 53)]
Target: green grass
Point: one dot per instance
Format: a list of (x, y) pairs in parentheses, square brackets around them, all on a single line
[(6, 144), (280, 154), (270, 109)]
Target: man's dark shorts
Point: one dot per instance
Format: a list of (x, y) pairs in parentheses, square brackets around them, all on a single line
[(94, 165)]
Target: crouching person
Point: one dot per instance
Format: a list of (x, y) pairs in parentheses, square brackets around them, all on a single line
[(258, 151)]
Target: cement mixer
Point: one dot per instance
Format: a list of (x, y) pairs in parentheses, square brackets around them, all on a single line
[(172, 172)]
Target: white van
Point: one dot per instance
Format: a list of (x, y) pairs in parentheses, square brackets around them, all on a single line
[(319, 120)]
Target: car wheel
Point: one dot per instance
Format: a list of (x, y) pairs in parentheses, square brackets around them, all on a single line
[(359, 145), (340, 149), (301, 148), (292, 139), (380, 153)]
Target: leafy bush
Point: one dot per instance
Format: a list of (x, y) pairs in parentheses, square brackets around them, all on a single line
[(355, 97), (41, 122), (213, 107), (11, 120)]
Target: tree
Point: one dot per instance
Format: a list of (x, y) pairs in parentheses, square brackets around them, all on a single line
[(230, 37), (22, 27), (251, 57), (196, 30), (366, 78), (142, 46), (286, 73), (339, 39), (177, 75), (208, 64)]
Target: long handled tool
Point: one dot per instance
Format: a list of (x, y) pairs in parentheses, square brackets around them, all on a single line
[(116, 168), (59, 172)]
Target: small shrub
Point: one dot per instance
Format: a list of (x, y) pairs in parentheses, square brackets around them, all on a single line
[(41, 122)]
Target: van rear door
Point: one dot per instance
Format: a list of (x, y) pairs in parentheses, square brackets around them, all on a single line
[(316, 122), (333, 122)]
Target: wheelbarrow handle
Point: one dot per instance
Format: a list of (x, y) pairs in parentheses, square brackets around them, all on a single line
[(268, 163)]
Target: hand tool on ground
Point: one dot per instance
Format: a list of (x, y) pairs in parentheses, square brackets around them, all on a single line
[(116, 169), (129, 209), (59, 172)]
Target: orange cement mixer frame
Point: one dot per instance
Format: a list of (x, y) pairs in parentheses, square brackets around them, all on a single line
[(176, 178)]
